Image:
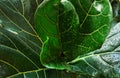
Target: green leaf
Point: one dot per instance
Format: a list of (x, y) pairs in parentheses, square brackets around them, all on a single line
[(55, 32), (44, 73), (101, 63), (95, 22), (71, 28), (19, 43)]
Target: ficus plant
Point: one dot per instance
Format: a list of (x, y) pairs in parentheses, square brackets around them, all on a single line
[(59, 39)]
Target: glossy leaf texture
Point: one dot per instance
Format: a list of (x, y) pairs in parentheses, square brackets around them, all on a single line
[(19, 43), (56, 30), (69, 28), (44, 73), (101, 63), (95, 22)]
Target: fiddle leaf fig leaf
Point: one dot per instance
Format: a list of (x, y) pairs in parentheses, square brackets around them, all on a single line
[(20, 45), (56, 23), (103, 62), (69, 28), (95, 22)]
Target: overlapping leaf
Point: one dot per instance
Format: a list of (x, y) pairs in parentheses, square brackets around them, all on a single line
[(66, 28), (19, 43), (104, 62), (95, 21), (71, 28)]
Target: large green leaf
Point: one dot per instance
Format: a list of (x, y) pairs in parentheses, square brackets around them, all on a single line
[(69, 29), (101, 63), (95, 21), (19, 43), (53, 30)]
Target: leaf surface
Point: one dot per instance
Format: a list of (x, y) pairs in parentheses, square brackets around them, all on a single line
[(19, 43), (104, 62), (70, 28), (52, 29), (95, 22)]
